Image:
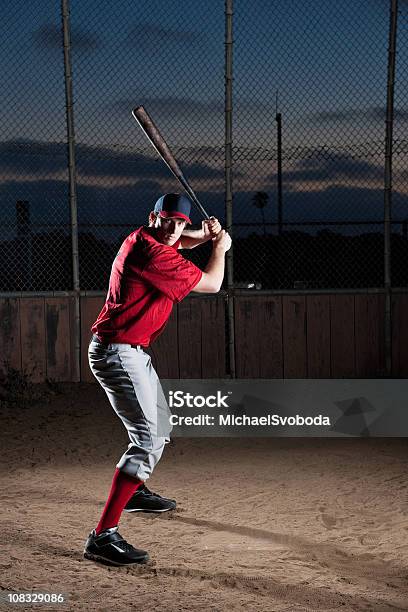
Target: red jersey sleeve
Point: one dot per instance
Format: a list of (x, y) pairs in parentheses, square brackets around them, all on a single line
[(171, 274)]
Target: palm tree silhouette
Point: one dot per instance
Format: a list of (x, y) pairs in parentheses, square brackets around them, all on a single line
[(260, 200)]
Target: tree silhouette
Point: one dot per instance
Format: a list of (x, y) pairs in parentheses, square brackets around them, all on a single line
[(260, 200)]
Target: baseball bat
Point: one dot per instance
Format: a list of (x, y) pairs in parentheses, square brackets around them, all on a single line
[(158, 142)]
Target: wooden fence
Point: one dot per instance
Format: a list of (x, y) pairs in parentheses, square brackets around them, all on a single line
[(276, 336)]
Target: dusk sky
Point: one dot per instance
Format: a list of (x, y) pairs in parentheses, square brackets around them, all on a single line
[(327, 59)]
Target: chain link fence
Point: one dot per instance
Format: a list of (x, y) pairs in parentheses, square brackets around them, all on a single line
[(170, 60), (310, 82), (323, 86), (35, 243), (399, 237)]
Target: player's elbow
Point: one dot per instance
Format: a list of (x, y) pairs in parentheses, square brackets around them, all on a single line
[(207, 284), (207, 288), (215, 288)]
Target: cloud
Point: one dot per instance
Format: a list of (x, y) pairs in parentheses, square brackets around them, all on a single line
[(334, 204), (329, 165), (101, 209), (34, 157), (49, 36), (151, 35), (374, 113)]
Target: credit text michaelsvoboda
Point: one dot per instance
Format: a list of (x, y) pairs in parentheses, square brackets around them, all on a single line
[(244, 420)]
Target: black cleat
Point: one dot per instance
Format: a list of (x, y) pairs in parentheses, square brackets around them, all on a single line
[(110, 548), (147, 501)]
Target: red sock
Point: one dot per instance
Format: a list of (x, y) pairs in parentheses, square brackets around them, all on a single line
[(122, 489)]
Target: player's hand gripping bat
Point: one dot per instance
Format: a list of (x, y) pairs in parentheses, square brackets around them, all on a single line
[(157, 140)]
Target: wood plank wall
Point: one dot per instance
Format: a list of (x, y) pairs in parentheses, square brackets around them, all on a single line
[(317, 336), (277, 336), (35, 337)]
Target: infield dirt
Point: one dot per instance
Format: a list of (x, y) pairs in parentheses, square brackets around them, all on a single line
[(273, 524)]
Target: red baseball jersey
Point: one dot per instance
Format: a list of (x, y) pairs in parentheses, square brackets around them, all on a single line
[(147, 277)]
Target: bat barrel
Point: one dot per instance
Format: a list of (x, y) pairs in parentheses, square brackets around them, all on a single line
[(158, 142)]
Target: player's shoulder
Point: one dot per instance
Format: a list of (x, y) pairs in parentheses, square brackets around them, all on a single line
[(154, 247), (132, 243), (132, 238)]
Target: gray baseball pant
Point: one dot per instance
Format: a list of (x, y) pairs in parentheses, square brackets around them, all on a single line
[(133, 388)]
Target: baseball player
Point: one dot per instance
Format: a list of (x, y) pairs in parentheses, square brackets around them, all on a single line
[(148, 276)]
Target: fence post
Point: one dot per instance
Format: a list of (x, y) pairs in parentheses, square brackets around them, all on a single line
[(278, 118), (388, 182), (76, 375), (228, 180)]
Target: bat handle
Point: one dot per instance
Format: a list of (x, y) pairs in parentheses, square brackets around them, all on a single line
[(202, 210), (193, 196)]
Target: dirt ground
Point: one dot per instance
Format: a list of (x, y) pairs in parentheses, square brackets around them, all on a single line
[(262, 524)]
